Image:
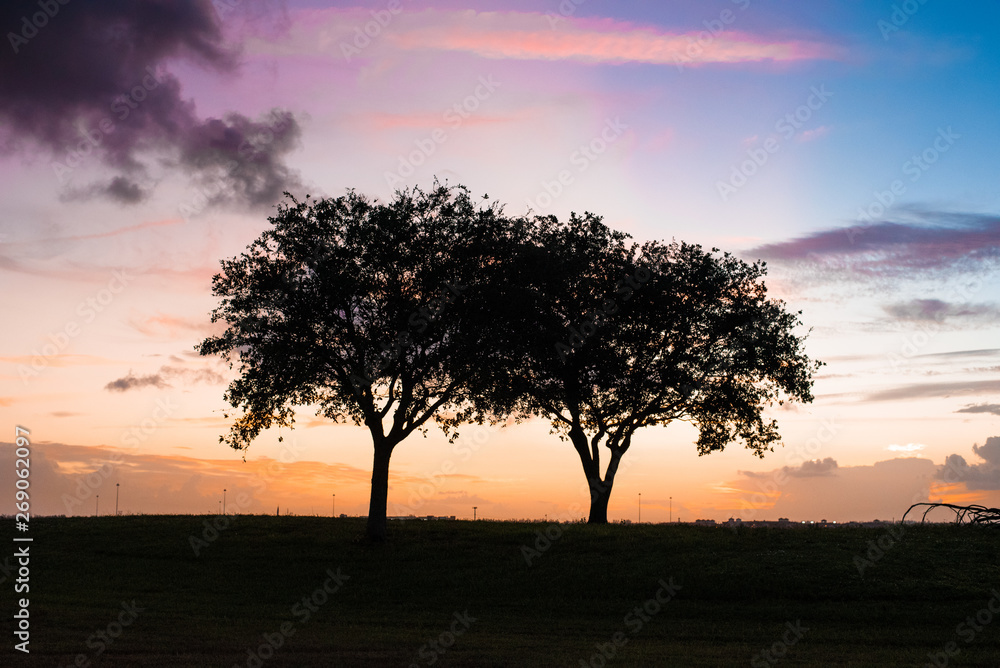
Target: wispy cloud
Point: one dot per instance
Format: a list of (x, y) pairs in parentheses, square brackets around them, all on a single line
[(937, 310), (992, 409), (160, 379), (815, 133), (935, 390), (493, 35), (936, 240), (529, 36)]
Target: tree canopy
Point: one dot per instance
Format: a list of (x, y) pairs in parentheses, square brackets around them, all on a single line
[(433, 309), (622, 336), (354, 307)]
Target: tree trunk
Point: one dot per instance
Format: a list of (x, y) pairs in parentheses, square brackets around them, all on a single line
[(380, 493), (600, 494), (600, 490)]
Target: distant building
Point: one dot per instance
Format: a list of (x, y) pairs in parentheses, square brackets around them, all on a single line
[(705, 523)]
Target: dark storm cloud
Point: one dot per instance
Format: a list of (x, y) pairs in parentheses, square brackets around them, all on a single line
[(87, 82), (984, 476), (932, 240)]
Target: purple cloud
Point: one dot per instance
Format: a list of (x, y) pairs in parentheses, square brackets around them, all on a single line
[(936, 310), (88, 85), (935, 240)]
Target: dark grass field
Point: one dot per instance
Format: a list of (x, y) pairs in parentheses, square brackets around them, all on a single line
[(460, 593)]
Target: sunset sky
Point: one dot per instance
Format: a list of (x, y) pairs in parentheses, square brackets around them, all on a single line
[(853, 146)]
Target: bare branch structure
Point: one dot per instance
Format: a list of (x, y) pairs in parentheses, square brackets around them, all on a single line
[(973, 514)]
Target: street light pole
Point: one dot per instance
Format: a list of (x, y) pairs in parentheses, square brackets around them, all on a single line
[(223, 500), (116, 499), (671, 509), (640, 507), (97, 511), (333, 506), (474, 512)]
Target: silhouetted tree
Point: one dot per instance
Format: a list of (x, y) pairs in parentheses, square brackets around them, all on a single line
[(606, 337), (355, 307)]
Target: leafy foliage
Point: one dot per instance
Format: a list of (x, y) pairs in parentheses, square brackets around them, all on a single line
[(612, 337), (350, 306)]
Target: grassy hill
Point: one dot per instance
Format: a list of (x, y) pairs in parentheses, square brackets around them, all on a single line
[(306, 591)]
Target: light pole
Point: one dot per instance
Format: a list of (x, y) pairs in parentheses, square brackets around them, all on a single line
[(640, 507), (671, 509), (97, 510), (333, 506), (223, 500), (220, 507), (116, 499), (474, 512)]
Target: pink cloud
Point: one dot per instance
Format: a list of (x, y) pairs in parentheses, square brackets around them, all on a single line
[(501, 36), (388, 121), (815, 133), (529, 36)]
